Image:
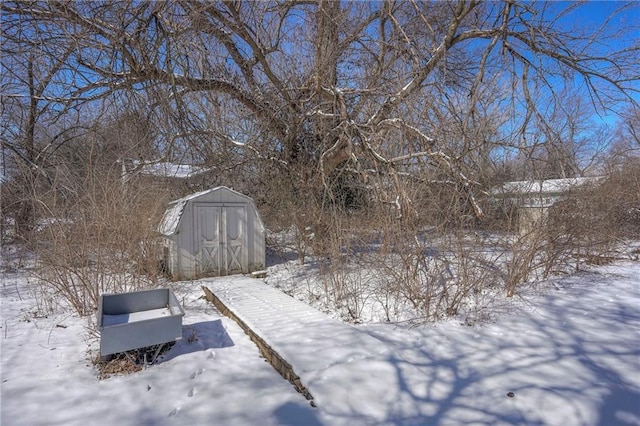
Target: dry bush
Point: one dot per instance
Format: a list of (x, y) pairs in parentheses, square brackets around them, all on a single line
[(524, 257), (399, 267), (441, 262), (371, 256), (337, 241), (586, 226), (439, 274), (19, 204), (595, 220), (617, 200), (347, 287), (286, 206), (98, 236), (551, 244)]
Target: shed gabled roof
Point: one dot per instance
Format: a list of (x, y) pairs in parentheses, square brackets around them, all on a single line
[(171, 219)]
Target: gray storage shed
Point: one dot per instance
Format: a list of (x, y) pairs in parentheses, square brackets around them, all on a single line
[(213, 232)]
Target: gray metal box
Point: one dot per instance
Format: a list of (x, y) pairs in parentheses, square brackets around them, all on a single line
[(134, 320)]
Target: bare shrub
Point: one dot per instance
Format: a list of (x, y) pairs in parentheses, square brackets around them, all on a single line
[(586, 226), (593, 221), (336, 242), (550, 245), (521, 259), (434, 274), (348, 288), (99, 238)]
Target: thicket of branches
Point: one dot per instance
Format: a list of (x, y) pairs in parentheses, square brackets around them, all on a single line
[(348, 122)]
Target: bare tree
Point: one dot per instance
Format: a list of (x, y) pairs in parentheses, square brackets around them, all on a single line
[(327, 82), (406, 102), (29, 105), (626, 138)]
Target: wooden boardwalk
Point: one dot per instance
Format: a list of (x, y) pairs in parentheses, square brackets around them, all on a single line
[(328, 361)]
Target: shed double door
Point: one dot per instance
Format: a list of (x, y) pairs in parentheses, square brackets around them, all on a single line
[(220, 238)]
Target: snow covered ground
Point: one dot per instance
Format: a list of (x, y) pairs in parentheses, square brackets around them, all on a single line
[(567, 355)]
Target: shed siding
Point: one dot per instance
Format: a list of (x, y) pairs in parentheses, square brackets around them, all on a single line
[(188, 246)]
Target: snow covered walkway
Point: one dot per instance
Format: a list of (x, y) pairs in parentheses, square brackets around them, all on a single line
[(341, 366)]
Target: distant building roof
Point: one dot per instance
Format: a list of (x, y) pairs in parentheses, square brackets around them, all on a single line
[(166, 169), (549, 186)]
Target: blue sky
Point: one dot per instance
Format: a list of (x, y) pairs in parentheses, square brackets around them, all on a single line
[(625, 17), (592, 12)]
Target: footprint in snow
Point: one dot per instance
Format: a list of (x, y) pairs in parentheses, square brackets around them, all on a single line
[(174, 411), (192, 392), (196, 373), (212, 354)]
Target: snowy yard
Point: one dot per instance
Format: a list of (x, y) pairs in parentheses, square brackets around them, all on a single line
[(568, 354), (435, 206)]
